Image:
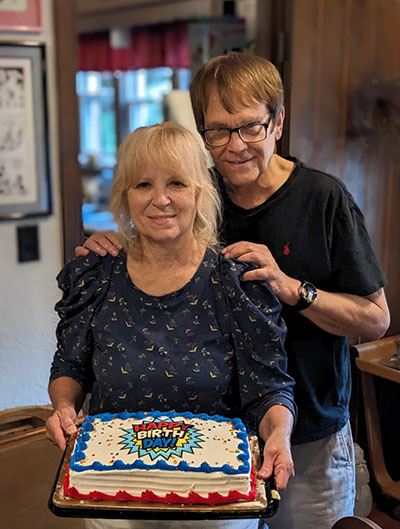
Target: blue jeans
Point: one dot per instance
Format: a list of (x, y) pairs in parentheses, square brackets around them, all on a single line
[(323, 490), (178, 524)]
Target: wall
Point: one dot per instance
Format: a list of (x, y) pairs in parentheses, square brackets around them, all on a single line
[(345, 111), (93, 15), (28, 291)]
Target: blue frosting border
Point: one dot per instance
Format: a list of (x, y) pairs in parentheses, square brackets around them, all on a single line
[(87, 426)]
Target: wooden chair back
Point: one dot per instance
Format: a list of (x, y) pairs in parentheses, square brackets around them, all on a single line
[(355, 522)]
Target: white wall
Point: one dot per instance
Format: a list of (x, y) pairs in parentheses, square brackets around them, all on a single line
[(28, 291)]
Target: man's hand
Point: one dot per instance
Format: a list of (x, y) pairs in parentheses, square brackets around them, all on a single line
[(102, 242), (283, 286), (60, 425), (338, 313)]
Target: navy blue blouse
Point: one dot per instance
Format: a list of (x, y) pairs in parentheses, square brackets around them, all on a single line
[(214, 346)]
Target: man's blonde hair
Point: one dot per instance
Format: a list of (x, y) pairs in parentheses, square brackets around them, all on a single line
[(170, 147), (241, 80)]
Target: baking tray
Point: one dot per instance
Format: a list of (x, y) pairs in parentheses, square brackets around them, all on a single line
[(265, 504)]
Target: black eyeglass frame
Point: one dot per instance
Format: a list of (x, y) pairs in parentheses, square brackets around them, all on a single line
[(237, 129)]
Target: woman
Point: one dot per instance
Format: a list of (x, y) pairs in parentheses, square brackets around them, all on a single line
[(167, 324)]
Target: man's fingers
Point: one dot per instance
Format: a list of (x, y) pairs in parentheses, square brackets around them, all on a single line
[(252, 257), (254, 253), (95, 246), (81, 251), (254, 275), (246, 255), (114, 238), (110, 248), (234, 251), (103, 243)]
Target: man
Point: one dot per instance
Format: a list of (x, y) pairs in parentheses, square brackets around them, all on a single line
[(309, 240)]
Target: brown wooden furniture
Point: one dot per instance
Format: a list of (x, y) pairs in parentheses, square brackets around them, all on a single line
[(355, 522), (28, 463), (369, 359)]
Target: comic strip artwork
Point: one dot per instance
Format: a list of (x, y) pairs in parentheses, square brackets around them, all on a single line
[(18, 179)]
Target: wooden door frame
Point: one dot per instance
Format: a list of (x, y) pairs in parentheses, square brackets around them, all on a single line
[(274, 19), (68, 124), (273, 42)]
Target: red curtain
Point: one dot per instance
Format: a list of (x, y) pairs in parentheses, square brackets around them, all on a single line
[(150, 47)]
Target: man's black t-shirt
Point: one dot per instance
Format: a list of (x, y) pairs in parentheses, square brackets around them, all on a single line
[(315, 232)]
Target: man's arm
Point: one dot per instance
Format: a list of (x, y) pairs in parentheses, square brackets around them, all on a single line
[(337, 313), (101, 242), (275, 429), (350, 315)]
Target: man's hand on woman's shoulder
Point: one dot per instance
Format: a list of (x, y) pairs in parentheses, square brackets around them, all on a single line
[(102, 243)]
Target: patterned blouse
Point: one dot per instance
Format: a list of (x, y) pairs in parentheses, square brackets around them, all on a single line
[(214, 346)]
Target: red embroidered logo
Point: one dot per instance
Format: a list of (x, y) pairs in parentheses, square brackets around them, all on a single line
[(286, 249)]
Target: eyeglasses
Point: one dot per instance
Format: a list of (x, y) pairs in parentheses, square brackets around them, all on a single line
[(251, 133)]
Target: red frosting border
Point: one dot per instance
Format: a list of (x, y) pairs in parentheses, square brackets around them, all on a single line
[(213, 498)]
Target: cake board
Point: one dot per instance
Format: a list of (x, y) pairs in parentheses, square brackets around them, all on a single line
[(265, 504)]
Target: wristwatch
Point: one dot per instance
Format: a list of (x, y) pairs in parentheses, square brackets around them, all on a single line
[(307, 294)]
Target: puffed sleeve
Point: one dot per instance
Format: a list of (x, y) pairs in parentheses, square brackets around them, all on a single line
[(258, 333), (83, 282)]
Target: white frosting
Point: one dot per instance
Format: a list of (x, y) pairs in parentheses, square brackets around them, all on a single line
[(199, 441), (160, 482)]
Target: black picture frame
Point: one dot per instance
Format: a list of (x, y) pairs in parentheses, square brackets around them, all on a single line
[(24, 152)]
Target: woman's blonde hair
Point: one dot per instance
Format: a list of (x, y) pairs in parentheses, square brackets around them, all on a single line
[(242, 80), (172, 147)]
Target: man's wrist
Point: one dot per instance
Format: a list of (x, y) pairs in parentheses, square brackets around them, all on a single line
[(307, 295)]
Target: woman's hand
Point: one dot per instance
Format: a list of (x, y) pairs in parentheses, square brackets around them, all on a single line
[(102, 242), (275, 429), (67, 397), (277, 460), (61, 425)]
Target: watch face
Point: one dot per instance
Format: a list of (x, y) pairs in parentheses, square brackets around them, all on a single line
[(308, 292)]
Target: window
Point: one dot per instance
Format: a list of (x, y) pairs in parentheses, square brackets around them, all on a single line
[(111, 105), (96, 92)]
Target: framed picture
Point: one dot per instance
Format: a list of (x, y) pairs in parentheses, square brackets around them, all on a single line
[(20, 15), (24, 167)]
